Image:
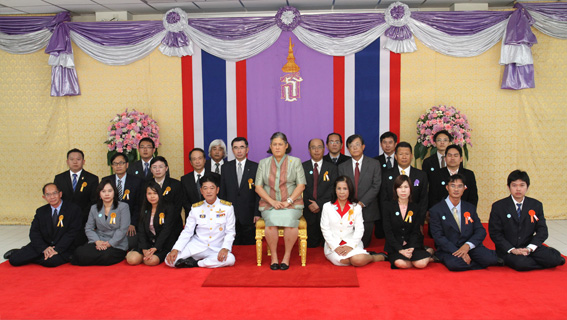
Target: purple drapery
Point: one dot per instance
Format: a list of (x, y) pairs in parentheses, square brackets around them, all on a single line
[(461, 23), (232, 28), (341, 25), (518, 77), (23, 25), (120, 33), (64, 82), (555, 11)]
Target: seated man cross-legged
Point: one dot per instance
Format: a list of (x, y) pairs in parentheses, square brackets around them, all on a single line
[(209, 231)]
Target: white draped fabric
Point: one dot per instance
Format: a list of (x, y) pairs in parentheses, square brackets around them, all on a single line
[(551, 27), (25, 43), (401, 46), (177, 52), (64, 60)]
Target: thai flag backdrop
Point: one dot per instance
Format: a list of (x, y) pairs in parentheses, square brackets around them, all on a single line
[(358, 93)]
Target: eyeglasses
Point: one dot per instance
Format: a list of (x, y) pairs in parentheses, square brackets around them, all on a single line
[(355, 145), (158, 167), (49, 195), (119, 163)]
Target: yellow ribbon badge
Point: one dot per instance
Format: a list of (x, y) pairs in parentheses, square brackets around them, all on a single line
[(162, 218), (408, 216), (113, 218), (326, 176), (126, 194), (60, 223), (350, 213), (83, 186), (250, 183), (166, 191)]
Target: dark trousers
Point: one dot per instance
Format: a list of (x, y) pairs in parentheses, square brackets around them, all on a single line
[(481, 257), (367, 236), (133, 242), (28, 254), (314, 234), (543, 257), (245, 234), (88, 255), (379, 229)]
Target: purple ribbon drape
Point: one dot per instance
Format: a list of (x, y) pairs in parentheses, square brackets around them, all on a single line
[(341, 25), (461, 23), (120, 33), (232, 28), (555, 11), (24, 25)]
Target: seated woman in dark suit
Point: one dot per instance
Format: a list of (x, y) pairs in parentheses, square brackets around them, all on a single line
[(172, 191), (106, 229), (401, 226), (158, 228)]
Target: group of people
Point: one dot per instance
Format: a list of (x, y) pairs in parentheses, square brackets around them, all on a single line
[(137, 213)]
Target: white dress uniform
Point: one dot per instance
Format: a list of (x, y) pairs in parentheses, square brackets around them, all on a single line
[(215, 231), (342, 231)]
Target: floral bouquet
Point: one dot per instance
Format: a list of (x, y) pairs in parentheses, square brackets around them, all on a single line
[(439, 118), (127, 129)]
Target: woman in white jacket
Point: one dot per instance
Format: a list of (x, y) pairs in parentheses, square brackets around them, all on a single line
[(342, 226)]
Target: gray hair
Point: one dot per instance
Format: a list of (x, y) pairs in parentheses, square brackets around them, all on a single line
[(217, 142)]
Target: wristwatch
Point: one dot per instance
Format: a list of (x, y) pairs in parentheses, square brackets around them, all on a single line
[(289, 201)]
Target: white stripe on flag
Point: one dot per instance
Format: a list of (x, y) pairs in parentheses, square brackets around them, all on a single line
[(230, 105), (198, 133), (384, 88), (349, 98)]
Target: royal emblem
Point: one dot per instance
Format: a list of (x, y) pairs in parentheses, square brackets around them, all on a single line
[(291, 80)]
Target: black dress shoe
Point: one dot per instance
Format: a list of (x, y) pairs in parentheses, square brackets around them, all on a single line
[(500, 262), (561, 263), (374, 253), (8, 253), (275, 266), (284, 266), (186, 263)]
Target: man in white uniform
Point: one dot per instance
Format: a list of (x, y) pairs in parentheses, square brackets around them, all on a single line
[(209, 244)]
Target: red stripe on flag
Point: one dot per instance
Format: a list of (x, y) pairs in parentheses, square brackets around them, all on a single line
[(241, 116), (339, 96), (395, 75), (188, 127)]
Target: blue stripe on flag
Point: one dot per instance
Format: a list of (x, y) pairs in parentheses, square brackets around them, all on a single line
[(367, 97), (214, 98)]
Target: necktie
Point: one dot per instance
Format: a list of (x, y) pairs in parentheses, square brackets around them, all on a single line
[(335, 160), (519, 211), (315, 180), (74, 181), (217, 168), (356, 177), (120, 192), (199, 183), (404, 172), (389, 163), (239, 173), (55, 217), (443, 164), (146, 168), (457, 217)]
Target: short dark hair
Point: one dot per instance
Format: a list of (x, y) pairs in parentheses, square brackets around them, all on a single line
[(237, 139), (309, 143), (518, 175), (210, 177), (197, 149), (334, 133), (351, 191), (145, 212), (150, 140), (404, 144), (354, 137), (389, 134), (445, 132), (282, 136), (49, 184), (456, 177), (456, 147), (158, 158), (118, 154), (398, 183), (75, 150), (101, 186)]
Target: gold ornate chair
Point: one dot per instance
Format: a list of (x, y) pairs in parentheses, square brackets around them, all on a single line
[(260, 225)]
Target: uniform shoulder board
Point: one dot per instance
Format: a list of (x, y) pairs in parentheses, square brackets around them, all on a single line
[(226, 203), (198, 204)]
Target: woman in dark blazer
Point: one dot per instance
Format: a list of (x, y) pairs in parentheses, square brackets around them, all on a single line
[(159, 227), (106, 229), (401, 226), (171, 188)]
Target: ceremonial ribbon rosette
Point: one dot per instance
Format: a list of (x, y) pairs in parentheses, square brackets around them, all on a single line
[(250, 183), (533, 216), (126, 194), (83, 186), (468, 217), (326, 176), (113, 218), (409, 216), (60, 223), (166, 191), (162, 218), (350, 213)]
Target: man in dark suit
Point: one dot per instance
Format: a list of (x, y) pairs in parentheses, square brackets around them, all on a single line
[(78, 186), (366, 175), (52, 233), (141, 168), (458, 232), (320, 176), (388, 142), (404, 155), (517, 227), (129, 191), (190, 182), (438, 178), (335, 145), (441, 140), (237, 186), (217, 154)]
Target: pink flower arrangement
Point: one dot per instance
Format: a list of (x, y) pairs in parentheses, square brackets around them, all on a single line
[(439, 118), (128, 128)]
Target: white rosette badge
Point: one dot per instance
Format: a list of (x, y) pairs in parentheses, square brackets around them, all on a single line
[(399, 38), (176, 42)]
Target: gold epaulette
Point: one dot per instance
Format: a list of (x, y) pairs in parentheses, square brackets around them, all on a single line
[(198, 204), (226, 203)]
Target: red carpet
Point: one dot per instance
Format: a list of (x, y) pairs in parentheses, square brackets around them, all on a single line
[(124, 292), (318, 272)]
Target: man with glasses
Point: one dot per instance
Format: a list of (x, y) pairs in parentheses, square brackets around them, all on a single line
[(320, 177), (441, 140), (141, 168), (129, 188), (335, 145), (458, 232), (366, 175), (52, 232)]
